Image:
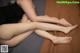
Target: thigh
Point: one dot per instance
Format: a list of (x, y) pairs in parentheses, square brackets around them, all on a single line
[(16, 40)]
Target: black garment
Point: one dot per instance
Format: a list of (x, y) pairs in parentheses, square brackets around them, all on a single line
[(10, 14), (32, 43), (6, 2)]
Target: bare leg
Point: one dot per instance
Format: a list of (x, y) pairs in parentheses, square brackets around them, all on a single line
[(19, 38), (53, 38), (16, 40), (45, 34), (9, 30), (53, 27), (61, 21), (52, 20)]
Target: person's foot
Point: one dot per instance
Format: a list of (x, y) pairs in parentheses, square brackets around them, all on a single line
[(65, 22), (61, 40), (68, 29)]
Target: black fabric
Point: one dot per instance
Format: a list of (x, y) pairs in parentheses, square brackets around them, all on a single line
[(10, 14), (4, 2), (32, 43)]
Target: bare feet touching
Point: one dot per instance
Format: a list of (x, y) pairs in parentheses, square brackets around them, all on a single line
[(61, 40), (68, 29)]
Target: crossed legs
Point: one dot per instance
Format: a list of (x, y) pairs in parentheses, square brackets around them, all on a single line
[(9, 30), (25, 29)]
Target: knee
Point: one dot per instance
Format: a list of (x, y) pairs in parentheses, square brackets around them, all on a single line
[(37, 25), (9, 43), (5, 36)]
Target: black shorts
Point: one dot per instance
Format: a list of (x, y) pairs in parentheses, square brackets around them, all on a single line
[(10, 14)]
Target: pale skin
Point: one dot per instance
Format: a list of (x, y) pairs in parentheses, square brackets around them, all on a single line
[(19, 38), (28, 7), (10, 30)]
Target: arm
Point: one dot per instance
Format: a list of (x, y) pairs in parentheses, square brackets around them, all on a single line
[(29, 10), (27, 6)]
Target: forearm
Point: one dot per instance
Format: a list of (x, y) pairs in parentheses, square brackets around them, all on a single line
[(28, 8), (46, 19)]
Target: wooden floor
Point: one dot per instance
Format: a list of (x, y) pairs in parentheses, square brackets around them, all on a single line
[(71, 12)]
